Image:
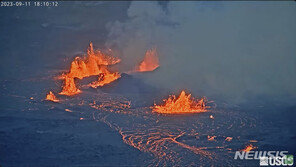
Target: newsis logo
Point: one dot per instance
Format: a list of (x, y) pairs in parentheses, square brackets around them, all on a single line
[(272, 158)]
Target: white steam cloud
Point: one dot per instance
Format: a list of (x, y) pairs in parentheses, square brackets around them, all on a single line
[(216, 49)]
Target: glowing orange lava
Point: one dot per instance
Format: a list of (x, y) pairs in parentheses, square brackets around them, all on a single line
[(51, 97), (182, 104), (150, 62), (105, 78), (228, 138), (69, 87), (249, 148), (95, 63)]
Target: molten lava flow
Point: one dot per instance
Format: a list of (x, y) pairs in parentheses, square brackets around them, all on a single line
[(150, 62), (69, 87), (51, 97), (228, 139), (105, 78), (249, 148), (211, 138), (95, 63), (182, 104)]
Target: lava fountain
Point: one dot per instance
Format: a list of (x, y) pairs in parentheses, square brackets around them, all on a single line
[(69, 87), (51, 97), (95, 63), (183, 104), (150, 62)]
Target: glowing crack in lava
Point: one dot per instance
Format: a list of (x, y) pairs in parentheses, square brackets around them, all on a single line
[(51, 97), (168, 140), (249, 148), (182, 104), (150, 62), (95, 63)]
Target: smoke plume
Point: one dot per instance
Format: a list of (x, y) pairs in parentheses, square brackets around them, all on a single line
[(227, 50)]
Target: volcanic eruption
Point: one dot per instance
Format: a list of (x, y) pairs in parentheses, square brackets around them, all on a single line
[(51, 97), (150, 139), (69, 87), (183, 104), (94, 63), (105, 78), (150, 61)]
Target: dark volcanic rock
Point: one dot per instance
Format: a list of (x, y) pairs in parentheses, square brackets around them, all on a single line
[(138, 91), (127, 84)]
